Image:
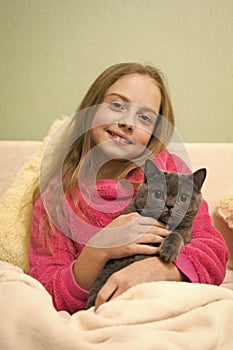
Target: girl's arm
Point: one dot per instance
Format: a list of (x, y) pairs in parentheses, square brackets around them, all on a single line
[(204, 259), (130, 226), (147, 270), (51, 258), (67, 269)]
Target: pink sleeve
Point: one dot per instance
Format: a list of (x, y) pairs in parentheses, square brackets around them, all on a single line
[(204, 259), (51, 257)]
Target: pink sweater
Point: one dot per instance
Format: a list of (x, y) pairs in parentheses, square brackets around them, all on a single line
[(52, 254)]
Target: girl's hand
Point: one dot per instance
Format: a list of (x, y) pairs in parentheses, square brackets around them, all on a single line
[(124, 236), (146, 270), (128, 235)]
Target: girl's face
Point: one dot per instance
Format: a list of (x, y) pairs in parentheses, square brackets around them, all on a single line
[(123, 124)]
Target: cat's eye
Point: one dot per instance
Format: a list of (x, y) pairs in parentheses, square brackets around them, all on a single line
[(159, 194), (183, 198)]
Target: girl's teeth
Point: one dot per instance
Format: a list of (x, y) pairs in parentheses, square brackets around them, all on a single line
[(121, 139), (118, 138)]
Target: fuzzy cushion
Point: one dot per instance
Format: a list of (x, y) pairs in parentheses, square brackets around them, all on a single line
[(225, 210), (16, 209)]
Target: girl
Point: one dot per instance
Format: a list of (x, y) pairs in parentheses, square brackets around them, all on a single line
[(74, 232)]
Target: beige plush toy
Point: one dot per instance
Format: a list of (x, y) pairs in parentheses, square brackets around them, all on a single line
[(225, 210)]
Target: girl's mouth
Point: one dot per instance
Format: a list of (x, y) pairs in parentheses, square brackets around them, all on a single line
[(119, 138)]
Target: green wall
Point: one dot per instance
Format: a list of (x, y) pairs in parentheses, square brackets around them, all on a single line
[(51, 50)]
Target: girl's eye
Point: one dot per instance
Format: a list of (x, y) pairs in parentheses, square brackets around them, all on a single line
[(145, 118), (116, 106), (159, 194), (183, 198)]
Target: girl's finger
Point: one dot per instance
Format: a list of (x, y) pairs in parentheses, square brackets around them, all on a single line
[(105, 293), (146, 249), (163, 232), (146, 220), (150, 238), (159, 224), (154, 230)]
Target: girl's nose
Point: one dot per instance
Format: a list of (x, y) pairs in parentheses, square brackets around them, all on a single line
[(125, 126), (126, 122)]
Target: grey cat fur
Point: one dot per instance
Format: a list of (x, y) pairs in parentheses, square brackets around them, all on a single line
[(173, 199)]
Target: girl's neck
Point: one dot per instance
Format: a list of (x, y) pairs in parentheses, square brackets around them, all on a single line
[(111, 170)]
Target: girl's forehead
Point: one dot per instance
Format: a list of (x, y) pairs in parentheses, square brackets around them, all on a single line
[(138, 89)]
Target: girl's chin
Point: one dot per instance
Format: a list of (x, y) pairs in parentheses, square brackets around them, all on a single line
[(119, 153)]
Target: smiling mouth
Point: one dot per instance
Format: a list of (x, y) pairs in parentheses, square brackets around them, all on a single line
[(119, 138)]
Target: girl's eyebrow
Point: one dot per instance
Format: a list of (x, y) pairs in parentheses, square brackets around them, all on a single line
[(125, 99)]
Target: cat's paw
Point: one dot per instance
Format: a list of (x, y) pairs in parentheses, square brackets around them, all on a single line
[(168, 253), (170, 248)]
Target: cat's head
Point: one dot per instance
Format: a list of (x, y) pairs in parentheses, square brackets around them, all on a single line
[(172, 197)]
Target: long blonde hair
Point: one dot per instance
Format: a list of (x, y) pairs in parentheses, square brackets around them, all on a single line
[(81, 123)]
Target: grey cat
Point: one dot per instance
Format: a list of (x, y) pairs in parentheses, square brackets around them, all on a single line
[(171, 198)]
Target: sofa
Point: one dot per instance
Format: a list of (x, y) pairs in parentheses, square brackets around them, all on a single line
[(161, 315), (216, 157)]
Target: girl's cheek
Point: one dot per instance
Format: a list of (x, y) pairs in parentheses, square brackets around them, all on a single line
[(105, 116)]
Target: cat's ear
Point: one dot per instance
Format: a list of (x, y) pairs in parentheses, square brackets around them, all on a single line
[(199, 177), (151, 170)]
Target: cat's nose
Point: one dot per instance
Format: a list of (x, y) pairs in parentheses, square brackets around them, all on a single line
[(169, 207)]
